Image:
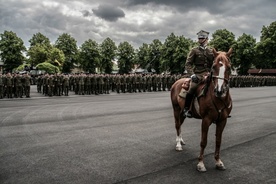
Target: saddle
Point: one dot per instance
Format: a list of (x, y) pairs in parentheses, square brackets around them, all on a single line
[(186, 85)]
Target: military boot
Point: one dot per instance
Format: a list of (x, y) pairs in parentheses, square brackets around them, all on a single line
[(188, 101)]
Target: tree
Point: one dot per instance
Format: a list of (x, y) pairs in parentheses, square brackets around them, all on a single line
[(41, 51), (108, 53), (11, 50), (40, 39), (155, 49), (223, 40), (174, 53), (90, 56), (56, 57), (48, 67), (265, 49), (142, 56), (125, 57), (40, 47), (68, 45), (38, 54), (244, 53)]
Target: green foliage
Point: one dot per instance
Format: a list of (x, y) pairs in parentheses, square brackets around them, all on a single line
[(68, 45), (90, 56), (38, 53), (265, 49), (48, 68), (125, 57), (244, 53), (108, 53), (174, 53), (142, 58), (155, 49), (56, 57), (40, 39), (223, 40), (11, 50)]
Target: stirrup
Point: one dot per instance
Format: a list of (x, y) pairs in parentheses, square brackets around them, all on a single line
[(187, 113)]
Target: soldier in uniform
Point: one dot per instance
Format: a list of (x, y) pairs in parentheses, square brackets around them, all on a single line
[(117, 81), (50, 85), (123, 83), (149, 83), (44, 84), (87, 84), (27, 84), (100, 83), (65, 83), (1, 86), (94, 84), (18, 86), (198, 64), (9, 85)]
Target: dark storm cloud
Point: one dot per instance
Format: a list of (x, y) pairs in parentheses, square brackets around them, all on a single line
[(109, 12), (184, 5), (135, 21), (85, 13)]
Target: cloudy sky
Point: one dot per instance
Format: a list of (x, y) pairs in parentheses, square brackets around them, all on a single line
[(135, 21)]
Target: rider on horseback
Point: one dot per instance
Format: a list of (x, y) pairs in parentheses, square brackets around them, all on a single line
[(198, 65)]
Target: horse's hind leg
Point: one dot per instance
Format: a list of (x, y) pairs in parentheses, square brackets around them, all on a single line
[(179, 119), (219, 130)]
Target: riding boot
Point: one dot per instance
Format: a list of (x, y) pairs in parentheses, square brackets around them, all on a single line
[(188, 101)]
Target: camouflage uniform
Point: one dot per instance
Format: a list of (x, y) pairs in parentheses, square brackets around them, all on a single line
[(65, 83), (27, 85), (50, 84), (9, 85), (18, 86), (117, 80), (1, 86)]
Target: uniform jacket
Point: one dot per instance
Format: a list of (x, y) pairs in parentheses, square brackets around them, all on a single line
[(199, 60)]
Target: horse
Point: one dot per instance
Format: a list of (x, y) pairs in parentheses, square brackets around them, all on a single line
[(212, 104)]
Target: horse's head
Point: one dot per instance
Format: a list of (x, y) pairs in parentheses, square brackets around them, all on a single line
[(221, 71)]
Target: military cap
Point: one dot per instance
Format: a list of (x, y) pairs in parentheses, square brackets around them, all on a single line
[(202, 34)]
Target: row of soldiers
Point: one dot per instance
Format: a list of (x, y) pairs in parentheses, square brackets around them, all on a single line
[(252, 81), (15, 85), (87, 84)]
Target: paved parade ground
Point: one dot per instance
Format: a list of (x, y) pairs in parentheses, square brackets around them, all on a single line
[(130, 138)]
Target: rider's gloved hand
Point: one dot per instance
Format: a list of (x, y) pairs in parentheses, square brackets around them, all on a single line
[(194, 78)]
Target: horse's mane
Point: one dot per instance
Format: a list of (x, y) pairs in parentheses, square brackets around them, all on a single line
[(222, 57)]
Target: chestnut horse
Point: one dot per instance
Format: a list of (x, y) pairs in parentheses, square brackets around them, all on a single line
[(212, 106)]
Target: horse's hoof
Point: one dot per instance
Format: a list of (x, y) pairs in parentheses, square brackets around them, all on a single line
[(182, 143), (220, 167), (179, 148), (201, 168)]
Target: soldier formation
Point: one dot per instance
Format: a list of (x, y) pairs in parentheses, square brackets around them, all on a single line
[(252, 81), (96, 84), (15, 85), (18, 85)]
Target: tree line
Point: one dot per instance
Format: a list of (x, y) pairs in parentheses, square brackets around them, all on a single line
[(170, 56)]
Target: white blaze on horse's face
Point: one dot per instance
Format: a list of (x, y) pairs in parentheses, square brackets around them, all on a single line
[(221, 77)]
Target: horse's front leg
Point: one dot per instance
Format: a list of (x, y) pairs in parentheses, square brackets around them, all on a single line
[(219, 130), (204, 136), (179, 119)]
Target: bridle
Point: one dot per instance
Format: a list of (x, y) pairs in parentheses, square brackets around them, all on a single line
[(222, 78)]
